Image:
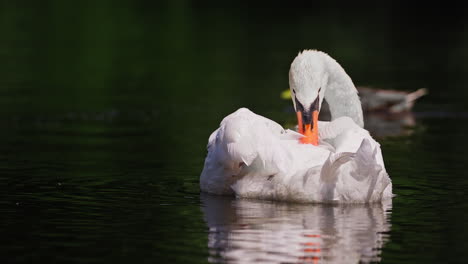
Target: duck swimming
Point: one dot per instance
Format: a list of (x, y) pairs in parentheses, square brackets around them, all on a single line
[(252, 156)]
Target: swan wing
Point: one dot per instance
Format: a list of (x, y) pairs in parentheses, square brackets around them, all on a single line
[(361, 178), (245, 142)]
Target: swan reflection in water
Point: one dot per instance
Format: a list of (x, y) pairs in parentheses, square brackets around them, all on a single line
[(247, 231)]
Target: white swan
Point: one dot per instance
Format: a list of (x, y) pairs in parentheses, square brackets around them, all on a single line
[(254, 157)]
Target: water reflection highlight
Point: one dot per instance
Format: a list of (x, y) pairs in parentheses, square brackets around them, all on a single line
[(247, 231)]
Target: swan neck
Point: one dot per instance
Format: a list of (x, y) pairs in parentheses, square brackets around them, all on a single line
[(341, 94)]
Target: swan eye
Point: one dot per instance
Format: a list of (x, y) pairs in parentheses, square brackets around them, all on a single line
[(315, 103), (299, 106)]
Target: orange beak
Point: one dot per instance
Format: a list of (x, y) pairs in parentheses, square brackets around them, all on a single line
[(310, 131)]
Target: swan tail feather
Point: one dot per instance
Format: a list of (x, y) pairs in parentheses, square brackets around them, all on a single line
[(330, 168), (365, 163)]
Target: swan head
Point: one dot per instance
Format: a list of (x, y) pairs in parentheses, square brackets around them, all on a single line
[(308, 78)]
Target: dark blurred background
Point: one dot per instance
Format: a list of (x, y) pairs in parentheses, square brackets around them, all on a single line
[(106, 108), (105, 54)]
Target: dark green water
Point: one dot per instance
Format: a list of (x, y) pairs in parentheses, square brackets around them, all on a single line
[(106, 110)]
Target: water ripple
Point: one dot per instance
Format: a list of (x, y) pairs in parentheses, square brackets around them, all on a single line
[(247, 231)]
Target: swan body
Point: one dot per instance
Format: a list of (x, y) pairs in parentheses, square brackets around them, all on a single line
[(254, 157)]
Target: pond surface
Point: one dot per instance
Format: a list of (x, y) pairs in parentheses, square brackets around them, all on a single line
[(106, 110)]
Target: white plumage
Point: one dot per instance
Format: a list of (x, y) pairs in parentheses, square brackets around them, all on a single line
[(254, 157)]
